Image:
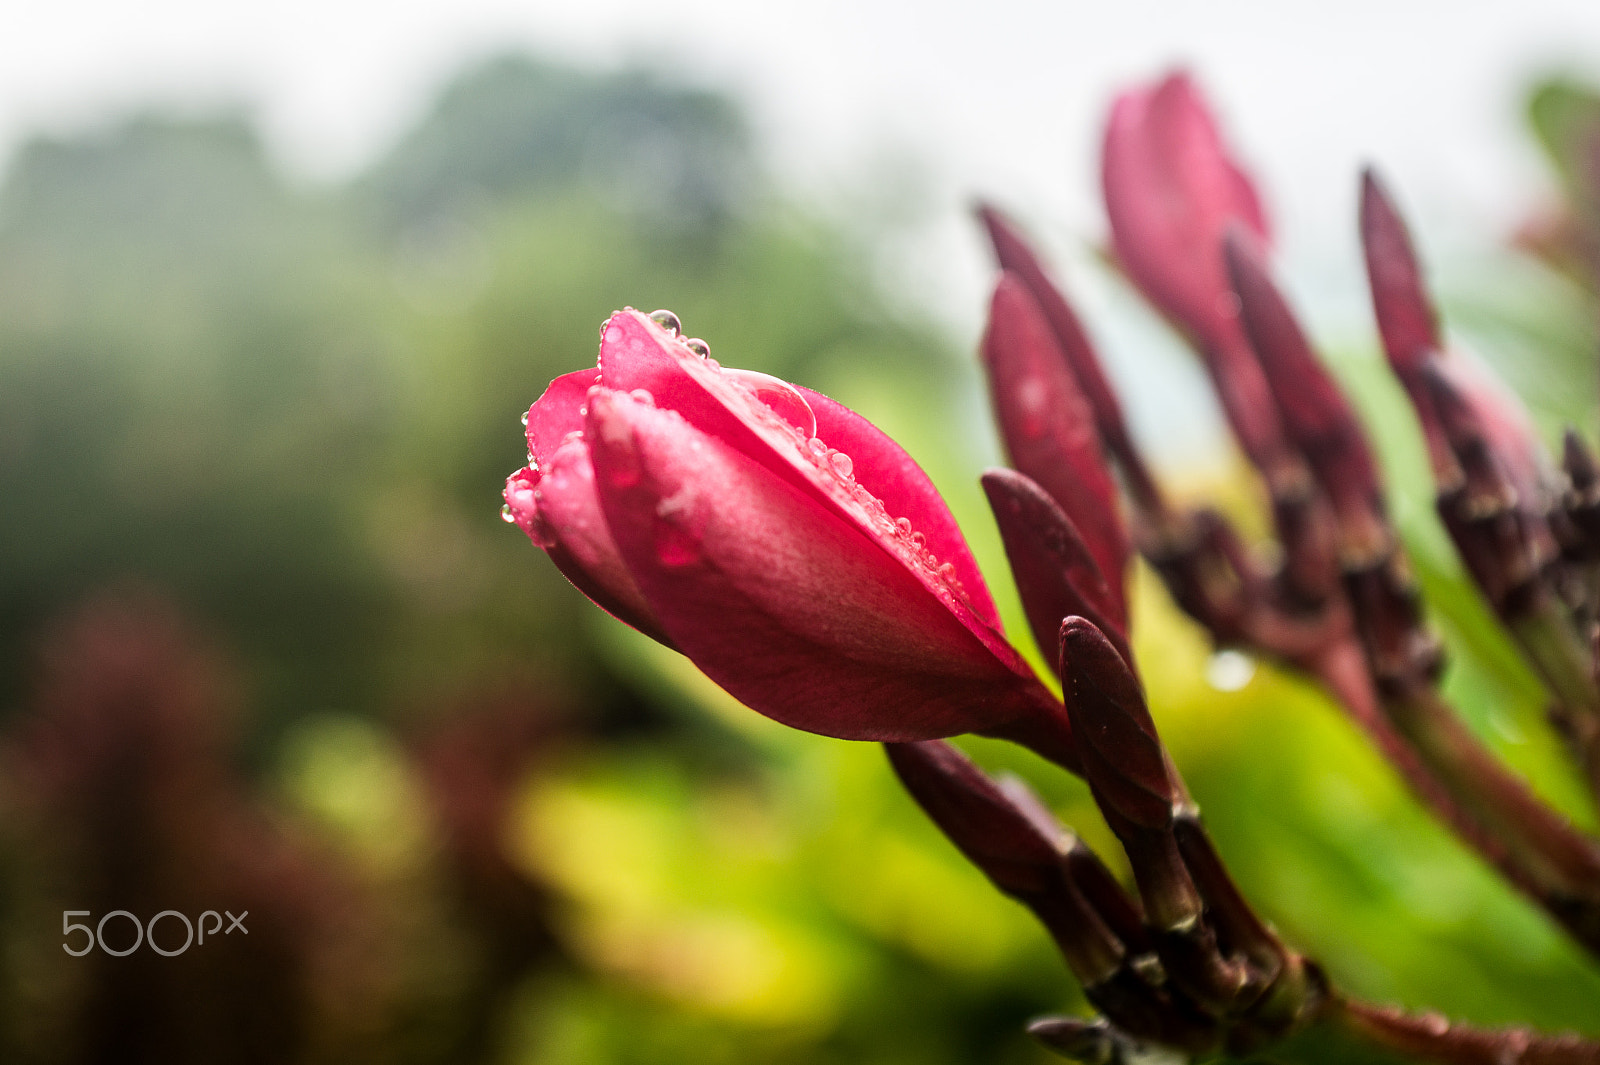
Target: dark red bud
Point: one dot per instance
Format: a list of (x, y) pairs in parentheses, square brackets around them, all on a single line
[(1054, 569), (1405, 313), (1046, 424), (1316, 416), (1116, 739), (1017, 257)]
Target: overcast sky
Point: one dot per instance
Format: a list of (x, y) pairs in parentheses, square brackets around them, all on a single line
[(1003, 98)]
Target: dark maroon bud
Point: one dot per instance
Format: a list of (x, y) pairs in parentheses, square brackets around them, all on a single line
[(1017, 257), (1055, 571), (1405, 313), (1046, 425)]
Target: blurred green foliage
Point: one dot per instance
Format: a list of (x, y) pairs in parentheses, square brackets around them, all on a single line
[(292, 408)]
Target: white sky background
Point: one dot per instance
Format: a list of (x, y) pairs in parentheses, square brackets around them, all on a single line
[(1003, 97)]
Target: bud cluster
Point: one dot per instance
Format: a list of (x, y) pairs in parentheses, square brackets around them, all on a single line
[(807, 565)]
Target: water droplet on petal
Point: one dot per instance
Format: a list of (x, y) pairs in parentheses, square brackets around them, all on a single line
[(841, 463), (779, 396), (667, 320), (699, 347), (917, 540), (817, 448), (643, 396), (506, 515), (903, 526), (524, 419), (1229, 671), (947, 571), (713, 363)]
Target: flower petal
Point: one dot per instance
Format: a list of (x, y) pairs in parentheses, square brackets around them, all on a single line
[(557, 507), (636, 354), (557, 413), (884, 468), (784, 603)]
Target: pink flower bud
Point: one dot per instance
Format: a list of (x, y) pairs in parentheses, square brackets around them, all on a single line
[(778, 539), (1172, 189)]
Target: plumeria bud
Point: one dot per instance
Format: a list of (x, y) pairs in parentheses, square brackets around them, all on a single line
[(1131, 778), (1410, 330), (1316, 416), (778, 539), (1055, 571), (1016, 844), (1047, 426), (1117, 742), (1172, 189), (1406, 318), (1017, 258)]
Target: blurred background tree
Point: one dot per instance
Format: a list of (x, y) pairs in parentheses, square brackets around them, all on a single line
[(264, 644)]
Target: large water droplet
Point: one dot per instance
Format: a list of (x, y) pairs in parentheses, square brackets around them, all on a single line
[(699, 347), (667, 320), (782, 398), (506, 515), (841, 463)]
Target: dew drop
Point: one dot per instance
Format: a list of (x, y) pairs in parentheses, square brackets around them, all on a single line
[(947, 572), (778, 396), (917, 540), (1229, 670), (841, 463), (532, 460), (524, 419), (643, 396), (817, 448), (699, 347), (667, 320), (903, 526), (506, 515)]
